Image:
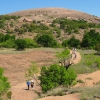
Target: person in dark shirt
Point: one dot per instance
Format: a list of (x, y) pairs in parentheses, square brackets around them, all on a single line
[(28, 84)]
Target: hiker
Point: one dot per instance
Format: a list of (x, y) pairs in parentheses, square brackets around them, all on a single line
[(32, 84), (28, 84)]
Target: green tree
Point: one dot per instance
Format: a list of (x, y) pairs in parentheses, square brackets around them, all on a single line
[(4, 84), (47, 41), (30, 43), (65, 43), (73, 42), (90, 39), (21, 44), (55, 76)]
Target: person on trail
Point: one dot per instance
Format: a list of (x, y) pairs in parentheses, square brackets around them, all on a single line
[(28, 84), (32, 84), (74, 52)]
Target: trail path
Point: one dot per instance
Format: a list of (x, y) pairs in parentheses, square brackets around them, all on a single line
[(77, 59), (20, 92)]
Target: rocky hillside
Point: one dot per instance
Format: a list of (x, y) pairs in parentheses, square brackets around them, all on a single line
[(20, 25)]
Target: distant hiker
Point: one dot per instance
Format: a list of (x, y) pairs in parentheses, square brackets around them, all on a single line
[(28, 84), (32, 84), (74, 53)]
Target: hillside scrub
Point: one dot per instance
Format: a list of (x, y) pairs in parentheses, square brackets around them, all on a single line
[(57, 30)]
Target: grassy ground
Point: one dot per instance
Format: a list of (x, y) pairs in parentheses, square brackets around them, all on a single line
[(89, 62), (12, 51)]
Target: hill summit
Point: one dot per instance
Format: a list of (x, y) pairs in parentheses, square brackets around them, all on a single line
[(50, 14)]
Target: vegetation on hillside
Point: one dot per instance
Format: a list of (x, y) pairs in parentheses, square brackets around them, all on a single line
[(48, 36)]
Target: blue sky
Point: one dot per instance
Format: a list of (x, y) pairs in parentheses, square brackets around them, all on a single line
[(88, 6)]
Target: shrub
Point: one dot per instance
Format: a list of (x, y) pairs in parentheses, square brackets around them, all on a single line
[(55, 76), (65, 43), (73, 42), (20, 44), (4, 84), (30, 43), (47, 41)]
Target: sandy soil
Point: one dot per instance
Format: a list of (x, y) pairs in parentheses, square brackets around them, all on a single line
[(15, 66)]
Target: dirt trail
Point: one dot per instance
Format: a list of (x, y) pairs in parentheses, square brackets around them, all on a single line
[(77, 58), (20, 92)]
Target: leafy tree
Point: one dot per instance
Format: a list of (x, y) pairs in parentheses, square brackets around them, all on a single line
[(55, 76), (4, 84), (20, 44), (47, 41), (73, 42), (8, 44), (91, 39), (65, 43), (30, 43)]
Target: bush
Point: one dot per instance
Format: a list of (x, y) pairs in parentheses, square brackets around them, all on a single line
[(21, 44), (4, 84), (74, 42), (30, 43), (47, 41), (55, 76), (65, 43)]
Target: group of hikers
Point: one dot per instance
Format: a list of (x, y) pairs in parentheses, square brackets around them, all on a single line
[(30, 83), (74, 53)]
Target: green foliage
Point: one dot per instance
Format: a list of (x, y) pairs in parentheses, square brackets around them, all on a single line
[(91, 39), (72, 26), (55, 76), (20, 44), (1, 24), (7, 41), (8, 44), (4, 84), (73, 42), (64, 54), (65, 43), (47, 41), (32, 70), (7, 17), (58, 31), (30, 43)]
